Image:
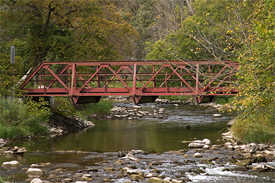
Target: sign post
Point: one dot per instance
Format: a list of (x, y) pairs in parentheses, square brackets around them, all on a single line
[(13, 62), (13, 58)]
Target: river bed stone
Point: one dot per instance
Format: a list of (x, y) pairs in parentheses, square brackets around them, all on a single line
[(11, 164), (149, 168)]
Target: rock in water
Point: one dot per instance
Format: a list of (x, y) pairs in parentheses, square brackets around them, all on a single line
[(10, 164), (217, 115), (130, 156), (33, 172), (197, 155), (263, 168), (195, 145)]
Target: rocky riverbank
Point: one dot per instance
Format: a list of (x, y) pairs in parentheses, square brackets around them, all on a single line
[(183, 165), (59, 124), (136, 111)]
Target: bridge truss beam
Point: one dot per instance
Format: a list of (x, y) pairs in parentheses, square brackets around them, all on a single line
[(143, 81)]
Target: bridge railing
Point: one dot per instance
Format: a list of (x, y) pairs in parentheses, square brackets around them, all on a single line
[(141, 80)]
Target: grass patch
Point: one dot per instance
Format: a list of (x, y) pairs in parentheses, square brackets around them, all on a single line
[(177, 97), (102, 107), (19, 120), (258, 127), (223, 99), (4, 179), (63, 106)]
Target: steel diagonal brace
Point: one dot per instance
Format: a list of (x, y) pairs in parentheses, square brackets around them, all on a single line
[(218, 84), (32, 75), (152, 77), (191, 75), (215, 77), (112, 78), (61, 72), (56, 77), (91, 78), (82, 79), (181, 78), (168, 78), (119, 78)]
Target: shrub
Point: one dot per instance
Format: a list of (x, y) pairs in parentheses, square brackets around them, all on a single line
[(258, 127), (177, 97), (223, 99), (20, 120), (102, 107), (64, 107)]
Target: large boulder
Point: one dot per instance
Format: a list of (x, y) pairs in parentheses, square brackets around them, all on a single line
[(155, 180), (2, 142), (10, 164), (195, 145), (263, 168), (137, 177), (12, 150), (250, 148), (34, 172), (207, 142), (200, 143), (260, 158), (197, 155), (87, 177)]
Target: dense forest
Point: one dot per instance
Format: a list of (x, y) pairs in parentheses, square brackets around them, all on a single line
[(77, 30)]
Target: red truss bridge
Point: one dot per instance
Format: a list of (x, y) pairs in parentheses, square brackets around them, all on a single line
[(143, 81)]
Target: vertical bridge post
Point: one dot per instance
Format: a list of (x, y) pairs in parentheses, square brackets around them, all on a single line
[(134, 80)]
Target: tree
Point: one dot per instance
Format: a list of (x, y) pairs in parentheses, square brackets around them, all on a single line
[(65, 30), (216, 30), (153, 19), (256, 99)]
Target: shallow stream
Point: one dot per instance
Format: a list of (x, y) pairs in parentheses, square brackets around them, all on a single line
[(77, 151)]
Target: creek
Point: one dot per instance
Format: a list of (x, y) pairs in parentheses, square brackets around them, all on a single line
[(89, 148)]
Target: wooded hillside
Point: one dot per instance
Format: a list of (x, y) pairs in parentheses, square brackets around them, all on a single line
[(77, 30)]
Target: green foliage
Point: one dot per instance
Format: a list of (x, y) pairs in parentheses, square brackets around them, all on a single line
[(3, 179), (216, 30), (223, 99), (38, 109), (257, 127), (63, 30), (102, 107), (256, 99), (18, 121), (64, 107), (176, 97)]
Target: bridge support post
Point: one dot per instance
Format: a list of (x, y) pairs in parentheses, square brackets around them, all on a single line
[(143, 99), (85, 99), (203, 99)]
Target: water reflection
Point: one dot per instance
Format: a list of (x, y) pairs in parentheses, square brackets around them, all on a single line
[(148, 134)]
